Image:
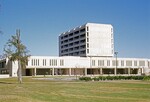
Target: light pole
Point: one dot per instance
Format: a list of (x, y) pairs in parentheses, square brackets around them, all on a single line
[(116, 53)]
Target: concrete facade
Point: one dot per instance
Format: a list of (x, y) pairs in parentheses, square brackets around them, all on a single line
[(84, 50), (90, 39), (81, 66)]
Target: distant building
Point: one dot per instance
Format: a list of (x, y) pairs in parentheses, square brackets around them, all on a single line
[(85, 50), (91, 39)]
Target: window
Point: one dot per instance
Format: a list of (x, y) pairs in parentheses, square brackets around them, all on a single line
[(135, 63), (32, 62), (82, 30), (44, 62), (87, 39), (108, 62), (87, 28), (87, 33), (114, 62), (2, 64), (54, 62), (76, 32), (149, 63), (93, 62), (100, 62), (141, 63), (87, 45), (122, 63), (87, 50), (61, 62), (50, 62), (128, 63)]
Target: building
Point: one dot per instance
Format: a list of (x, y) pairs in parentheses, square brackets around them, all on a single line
[(85, 50), (90, 39), (71, 66)]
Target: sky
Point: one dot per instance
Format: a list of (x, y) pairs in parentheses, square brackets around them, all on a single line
[(42, 21)]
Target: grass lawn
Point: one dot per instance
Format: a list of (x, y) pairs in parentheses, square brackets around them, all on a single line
[(33, 90)]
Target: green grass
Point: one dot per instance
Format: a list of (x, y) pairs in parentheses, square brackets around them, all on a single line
[(33, 90)]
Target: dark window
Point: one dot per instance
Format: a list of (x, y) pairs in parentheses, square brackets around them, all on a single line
[(76, 32), (87, 28), (82, 30)]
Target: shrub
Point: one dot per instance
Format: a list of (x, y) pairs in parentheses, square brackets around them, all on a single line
[(146, 78), (115, 78), (109, 78), (85, 78), (96, 79)]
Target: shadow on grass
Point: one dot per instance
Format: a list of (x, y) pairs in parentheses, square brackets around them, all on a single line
[(5, 83)]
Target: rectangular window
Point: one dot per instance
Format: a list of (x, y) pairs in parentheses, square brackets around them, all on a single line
[(87, 50), (141, 63), (149, 63), (50, 62), (100, 62), (32, 62), (108, 62), (128, 63), (135, 63), (44, 62), (87, 34), (2, 64), (87, 39), (87, 45), (114, 63), (93, 62), (36, 62), (61, 62), (87, 28), (122, 63), (54, 62)]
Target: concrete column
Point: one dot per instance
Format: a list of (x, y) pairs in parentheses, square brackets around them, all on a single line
[(85, 71), (69, 71), (50, 71), (128, 71), (115, 71), (34, 71), (140, 71), (53, 70), (101, 71)]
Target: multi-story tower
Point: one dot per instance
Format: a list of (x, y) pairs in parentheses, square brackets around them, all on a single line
[(90, 39)]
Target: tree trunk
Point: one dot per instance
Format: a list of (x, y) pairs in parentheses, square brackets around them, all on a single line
[(19, 72)]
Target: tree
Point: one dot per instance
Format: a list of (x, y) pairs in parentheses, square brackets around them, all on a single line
[(16, 51)]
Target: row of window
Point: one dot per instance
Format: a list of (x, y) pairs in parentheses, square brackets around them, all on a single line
[(122, 63), (2, 64), (52, 62), (74, 33), (74, 53), (73, 38), (73, 43), (73, 49)]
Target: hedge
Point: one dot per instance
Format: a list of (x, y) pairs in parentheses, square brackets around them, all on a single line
[(115, 78)]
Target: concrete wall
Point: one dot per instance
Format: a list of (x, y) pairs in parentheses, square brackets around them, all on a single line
[(100, 39)]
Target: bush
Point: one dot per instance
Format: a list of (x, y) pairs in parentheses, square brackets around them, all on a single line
[(146, 78), (96, 79), (85, 78), (115, 78)]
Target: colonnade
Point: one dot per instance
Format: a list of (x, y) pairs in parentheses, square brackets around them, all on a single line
[(83, 71)]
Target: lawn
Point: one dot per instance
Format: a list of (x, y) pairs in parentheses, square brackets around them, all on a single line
[(33, 90)]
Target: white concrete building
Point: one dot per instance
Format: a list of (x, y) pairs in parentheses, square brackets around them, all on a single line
[(90, 39), (85, 50), (71, 66)]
